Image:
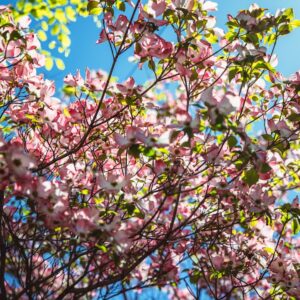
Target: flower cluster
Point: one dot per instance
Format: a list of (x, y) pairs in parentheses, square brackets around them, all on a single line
[(125, 186)]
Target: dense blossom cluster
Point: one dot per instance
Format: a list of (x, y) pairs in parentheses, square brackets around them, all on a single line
[(129, 186)]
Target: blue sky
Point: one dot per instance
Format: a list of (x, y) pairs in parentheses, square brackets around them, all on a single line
[(288, 48), (86, 53)]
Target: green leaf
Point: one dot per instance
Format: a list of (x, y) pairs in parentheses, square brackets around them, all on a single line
[(151, 65), (42, 35), (70, 13), (263, 65), (289, 12), (189, 132), (295, 226), (134, 150), (174, 134), (69, 90), (267, 137), (60, 16), (130, 207), (252, 38), (102, 248), (250, 176), (232, 141), (93, 8), (195, 277), (232, 72), (284, 29), (84, 192), (15, 35), (269, 250), (92, 4), (64, 39), (59, 64), (48, 63), (295, 23), (55, 29), (294, 117), (149, 151), (52, 45), (212, 38), (265, 168), (120, 5), (44, 25)]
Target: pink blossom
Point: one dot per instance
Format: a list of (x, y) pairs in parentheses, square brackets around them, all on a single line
[(133, 135), (154, 46), (74, 81), (20, 163), (209, 5), (187, 4), (127, 87), (159, 167), (47, 90), (157, 7), (295, 78), (24, 22), (113, 183), (32, 42)]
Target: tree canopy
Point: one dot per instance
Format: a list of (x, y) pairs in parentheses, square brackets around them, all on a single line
[(184, 186)]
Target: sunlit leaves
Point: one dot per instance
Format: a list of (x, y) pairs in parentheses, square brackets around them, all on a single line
[(59, 64), (53, 17), (195, 163), (49, 63), (93, 7), (232, 141), (250, 176), (120, 5), (42, 35)]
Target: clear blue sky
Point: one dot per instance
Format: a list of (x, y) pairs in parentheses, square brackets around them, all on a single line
[(85, 52)]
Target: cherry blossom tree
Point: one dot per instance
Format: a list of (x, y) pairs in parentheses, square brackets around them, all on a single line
[(186, 184)]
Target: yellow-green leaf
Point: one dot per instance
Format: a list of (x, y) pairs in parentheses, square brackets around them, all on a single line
[(55, 29), (84, 192), (44, 25), (269, 250), (65, 40), (52, 45), (59, 64), (49, 63), (42, 35), (66, 113), (295, 23), (70, 13), (60, 16)]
